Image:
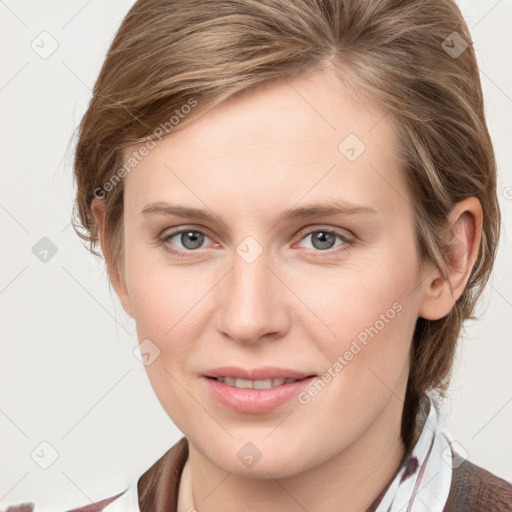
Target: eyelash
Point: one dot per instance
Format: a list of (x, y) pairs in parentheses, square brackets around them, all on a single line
[(314, 253)]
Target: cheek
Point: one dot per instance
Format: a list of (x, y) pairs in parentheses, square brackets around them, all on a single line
[(162, 297), (366, 315), (366, 362), (165, 311), (167, 307)]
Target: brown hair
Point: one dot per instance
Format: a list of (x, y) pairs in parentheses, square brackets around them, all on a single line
[(171, 53)]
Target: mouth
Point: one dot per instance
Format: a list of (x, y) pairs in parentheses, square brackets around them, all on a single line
[(255, 391)]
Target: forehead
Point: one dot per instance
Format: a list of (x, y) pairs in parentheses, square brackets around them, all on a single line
[(281, 141)]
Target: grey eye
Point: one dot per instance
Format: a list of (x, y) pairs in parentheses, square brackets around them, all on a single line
[(190, 239), (322, 239)]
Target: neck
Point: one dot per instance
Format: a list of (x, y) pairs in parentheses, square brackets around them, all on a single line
[(354, 477)]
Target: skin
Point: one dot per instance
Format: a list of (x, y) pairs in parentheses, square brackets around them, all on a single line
[(248, 160)]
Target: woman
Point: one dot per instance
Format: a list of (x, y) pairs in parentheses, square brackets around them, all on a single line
[(296, 202)]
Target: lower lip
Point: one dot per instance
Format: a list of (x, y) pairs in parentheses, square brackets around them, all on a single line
[(255, 401)]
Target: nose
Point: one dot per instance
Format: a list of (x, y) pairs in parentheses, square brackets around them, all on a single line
[(253, 303)]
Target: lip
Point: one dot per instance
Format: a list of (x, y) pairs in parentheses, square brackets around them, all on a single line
[(255, 401)]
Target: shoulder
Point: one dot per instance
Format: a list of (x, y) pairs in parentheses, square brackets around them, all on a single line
[(474, 489), (98, 506), (158, 484)]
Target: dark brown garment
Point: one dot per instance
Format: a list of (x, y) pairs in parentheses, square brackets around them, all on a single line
[(473, 489)]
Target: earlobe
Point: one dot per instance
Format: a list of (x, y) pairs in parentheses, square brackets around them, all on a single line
[(436, 298), (117, 281), (463, 235)]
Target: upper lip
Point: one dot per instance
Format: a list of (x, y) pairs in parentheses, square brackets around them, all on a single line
[(263, 373)]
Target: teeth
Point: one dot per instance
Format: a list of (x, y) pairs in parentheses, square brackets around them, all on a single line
[(230, 381), (254, 384), (242, 383)]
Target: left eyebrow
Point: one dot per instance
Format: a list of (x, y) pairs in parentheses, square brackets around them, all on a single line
[(326, 207)]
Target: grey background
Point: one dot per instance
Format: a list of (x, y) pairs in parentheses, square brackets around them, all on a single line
[(68, 374)]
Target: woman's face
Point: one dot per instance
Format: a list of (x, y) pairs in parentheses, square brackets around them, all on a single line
[(335, 295)]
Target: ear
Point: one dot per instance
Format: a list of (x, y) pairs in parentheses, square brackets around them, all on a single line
[(117, 280), (463, 235)]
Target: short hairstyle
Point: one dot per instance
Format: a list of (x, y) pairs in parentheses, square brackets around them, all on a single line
[(415, 57)]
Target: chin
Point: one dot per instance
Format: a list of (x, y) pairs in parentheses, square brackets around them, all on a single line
[(270, 458)]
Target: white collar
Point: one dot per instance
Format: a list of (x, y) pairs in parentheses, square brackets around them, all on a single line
[(424, 480)]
